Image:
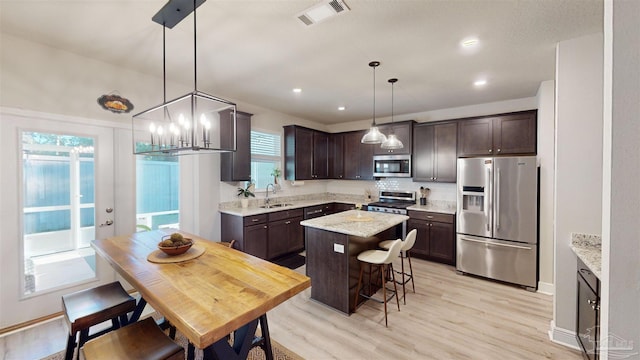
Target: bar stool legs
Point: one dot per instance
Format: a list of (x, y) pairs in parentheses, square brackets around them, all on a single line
[(405, 252), (382, 261)]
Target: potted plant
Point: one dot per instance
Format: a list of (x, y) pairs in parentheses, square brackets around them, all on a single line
[(245, 193), (276, 173)]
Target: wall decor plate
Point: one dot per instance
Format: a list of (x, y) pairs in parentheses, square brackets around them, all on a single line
[(115, 103)]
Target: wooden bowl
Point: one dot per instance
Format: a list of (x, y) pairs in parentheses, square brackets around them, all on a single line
[(176, 250)]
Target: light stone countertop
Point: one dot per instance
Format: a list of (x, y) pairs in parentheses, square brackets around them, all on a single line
[(588, 248), (439, 207), (347, 222), (256, 210)]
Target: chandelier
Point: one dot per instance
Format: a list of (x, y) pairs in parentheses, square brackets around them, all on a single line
[(194, 123)]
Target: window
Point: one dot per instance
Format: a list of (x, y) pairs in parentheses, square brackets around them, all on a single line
[(157, 192), (265, 157)]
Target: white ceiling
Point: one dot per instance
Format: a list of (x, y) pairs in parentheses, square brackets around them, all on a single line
[(257, 51)]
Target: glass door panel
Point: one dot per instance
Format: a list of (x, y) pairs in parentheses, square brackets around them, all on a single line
[(58, 194)]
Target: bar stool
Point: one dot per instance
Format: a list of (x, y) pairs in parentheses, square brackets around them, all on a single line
[(141, 340), (86, 308), (405, 252), (383, 261)]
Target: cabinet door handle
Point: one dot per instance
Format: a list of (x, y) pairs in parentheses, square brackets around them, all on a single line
[(255, 220), (490, 151), (429, 217), (498, 150), (287, 222), (264, 227)]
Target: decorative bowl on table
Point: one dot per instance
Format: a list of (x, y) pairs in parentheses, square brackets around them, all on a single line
[(175, 244)]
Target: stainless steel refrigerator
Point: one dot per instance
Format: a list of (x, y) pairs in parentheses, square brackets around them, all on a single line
[(498, 219)]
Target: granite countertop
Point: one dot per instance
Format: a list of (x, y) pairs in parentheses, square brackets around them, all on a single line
[(348, 222), (588, 248), (439, 206), (256, 210)]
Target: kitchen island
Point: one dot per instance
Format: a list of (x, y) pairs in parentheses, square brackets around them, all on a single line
[(333, 243)]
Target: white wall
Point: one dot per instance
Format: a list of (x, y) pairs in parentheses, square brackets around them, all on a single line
[(546, 160), (578, 166), (620, 292)]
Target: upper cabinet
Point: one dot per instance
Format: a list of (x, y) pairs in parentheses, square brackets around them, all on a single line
[(235, 166), (306, 153), (404, 132), (506, 134), (336, 156), (434, 152), (358, 157)]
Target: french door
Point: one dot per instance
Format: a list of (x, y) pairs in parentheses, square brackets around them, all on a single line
[(59, 196)]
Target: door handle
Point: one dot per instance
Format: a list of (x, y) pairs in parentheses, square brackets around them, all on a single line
[(487, 195), (487, 243), (107, 223), (497, 214)]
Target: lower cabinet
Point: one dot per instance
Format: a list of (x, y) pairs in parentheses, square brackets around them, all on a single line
[(286, 235), (436, 238), (588, 311), (266, 236)]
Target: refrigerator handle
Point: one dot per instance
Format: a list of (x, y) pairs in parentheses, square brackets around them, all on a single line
[(497, 214), (487, 196)]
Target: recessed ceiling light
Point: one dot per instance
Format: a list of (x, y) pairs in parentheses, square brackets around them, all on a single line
[(297, 90), (469, 42), (479, 83), (341, 108)]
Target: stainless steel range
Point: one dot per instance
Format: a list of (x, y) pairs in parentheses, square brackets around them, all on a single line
[(395, 202)]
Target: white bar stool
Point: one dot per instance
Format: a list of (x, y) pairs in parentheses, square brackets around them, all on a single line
[(405, 252), (382, 260)]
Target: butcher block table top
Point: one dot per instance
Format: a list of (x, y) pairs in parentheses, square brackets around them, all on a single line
[(205, 298)]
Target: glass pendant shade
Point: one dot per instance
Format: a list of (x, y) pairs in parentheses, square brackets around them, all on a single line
[(373, 136), (392, 143)]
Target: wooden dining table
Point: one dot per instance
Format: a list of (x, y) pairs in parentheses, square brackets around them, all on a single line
[(222, 291)]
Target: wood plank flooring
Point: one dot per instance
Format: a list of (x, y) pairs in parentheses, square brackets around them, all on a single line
[(449, 317)]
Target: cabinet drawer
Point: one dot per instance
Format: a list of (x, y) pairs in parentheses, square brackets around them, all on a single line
[(255, 219), (285, 214), (431, 216)]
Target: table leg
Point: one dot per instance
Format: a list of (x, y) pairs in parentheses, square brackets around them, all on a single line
[(243, 341)]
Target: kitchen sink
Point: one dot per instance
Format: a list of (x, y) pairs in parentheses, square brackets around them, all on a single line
[(274, 206)]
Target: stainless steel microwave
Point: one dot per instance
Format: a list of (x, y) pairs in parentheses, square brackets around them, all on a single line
[(392, 165)]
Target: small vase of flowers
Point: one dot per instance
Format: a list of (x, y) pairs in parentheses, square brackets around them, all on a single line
[(245, 193)]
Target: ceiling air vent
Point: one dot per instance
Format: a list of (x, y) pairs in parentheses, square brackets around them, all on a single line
[(322, 11)]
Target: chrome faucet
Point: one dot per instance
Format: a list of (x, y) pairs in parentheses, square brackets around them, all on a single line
[(266, 200)]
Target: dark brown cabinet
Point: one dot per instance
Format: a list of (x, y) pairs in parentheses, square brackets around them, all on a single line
[(435, 239), (404, 132), (285, 234), (358, 157), (266, 236), (235, 166), (588, 311), (249, 232), (504, 134), (434, 152), (306, 153), (336, 156)]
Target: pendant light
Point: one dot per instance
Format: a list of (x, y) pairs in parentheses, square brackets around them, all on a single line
[(195, 123), (392, 141), (374, 136)]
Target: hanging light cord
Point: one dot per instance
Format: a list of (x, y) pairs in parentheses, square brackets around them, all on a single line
[(164, 65), (374, 95), (195, 60)]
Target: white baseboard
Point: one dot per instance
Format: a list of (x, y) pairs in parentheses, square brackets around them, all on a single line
[(546, 288), (563, 336)]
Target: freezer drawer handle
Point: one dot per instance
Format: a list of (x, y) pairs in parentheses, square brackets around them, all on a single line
[(496, 244)]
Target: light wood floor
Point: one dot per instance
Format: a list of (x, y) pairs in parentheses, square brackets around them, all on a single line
[(449, 317)]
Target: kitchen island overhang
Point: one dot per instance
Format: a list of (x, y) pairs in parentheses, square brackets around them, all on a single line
[(333, 243)]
